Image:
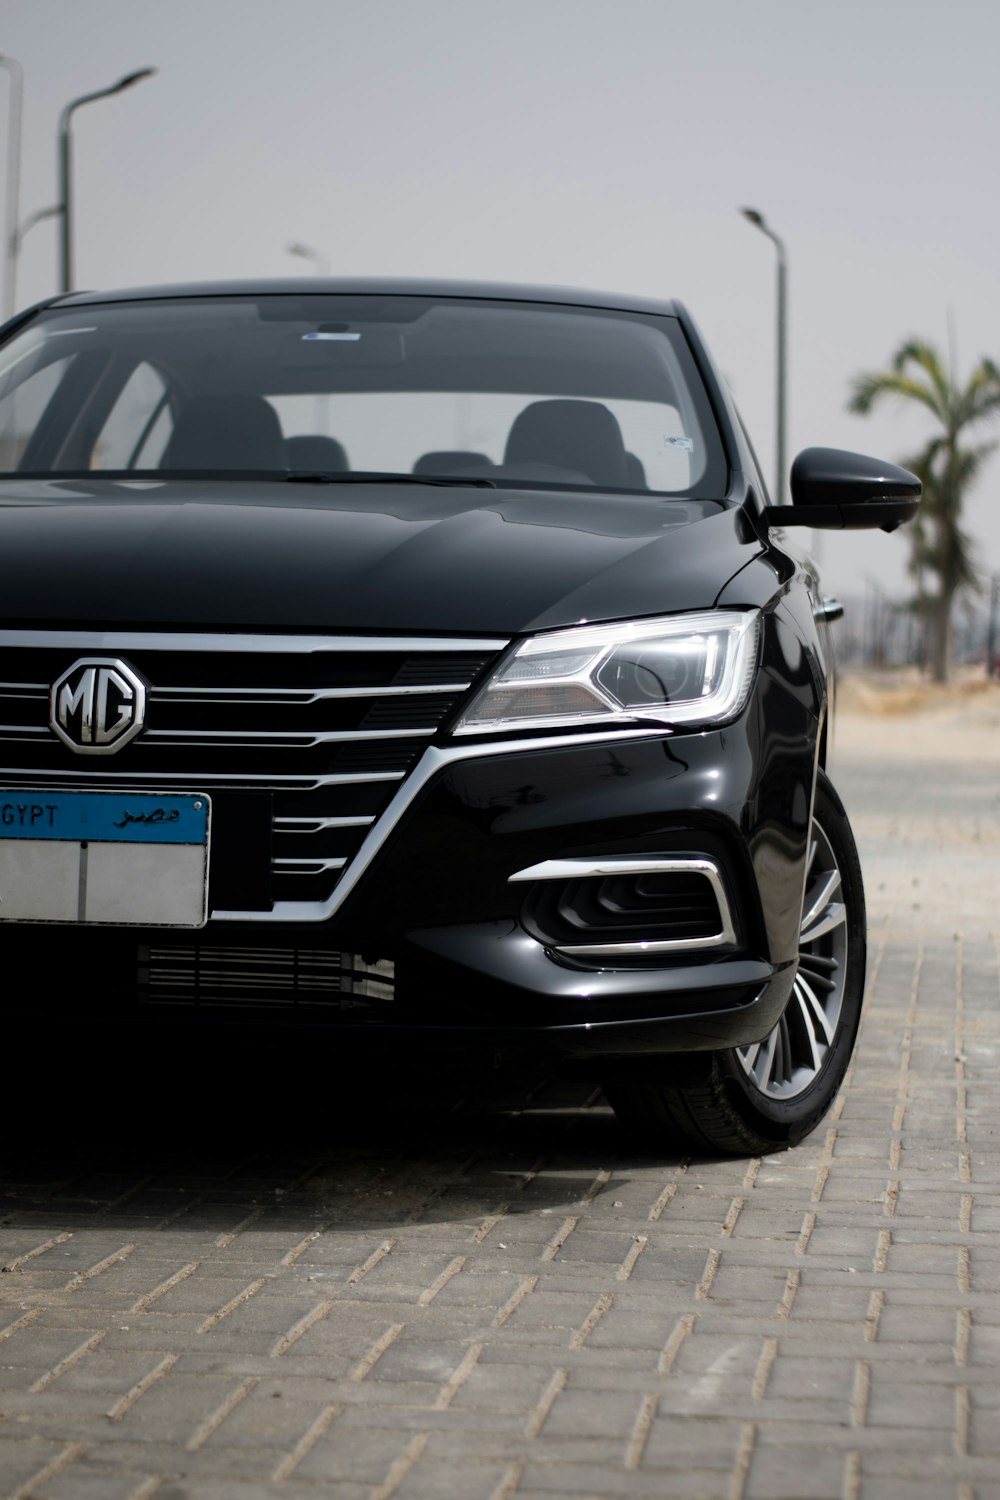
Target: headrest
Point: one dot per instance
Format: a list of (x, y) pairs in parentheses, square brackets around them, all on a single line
[(636, 470), (226, 432), (447, 459), (314, 451), (581, 435)]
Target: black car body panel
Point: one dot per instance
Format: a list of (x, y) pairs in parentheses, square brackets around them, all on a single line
[(257, 555)]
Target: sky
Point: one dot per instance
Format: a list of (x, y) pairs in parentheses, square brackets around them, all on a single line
[(600, 144)]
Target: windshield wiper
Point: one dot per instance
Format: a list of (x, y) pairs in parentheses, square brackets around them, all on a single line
[(372, 477)]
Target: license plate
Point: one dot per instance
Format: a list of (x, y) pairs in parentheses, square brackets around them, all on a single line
[(104, 858)]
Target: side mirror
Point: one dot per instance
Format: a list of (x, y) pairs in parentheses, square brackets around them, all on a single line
[(846, 491)]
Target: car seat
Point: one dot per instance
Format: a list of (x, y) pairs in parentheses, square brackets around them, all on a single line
[(314, 451), (577, 435), (226, 432), (445, 460)]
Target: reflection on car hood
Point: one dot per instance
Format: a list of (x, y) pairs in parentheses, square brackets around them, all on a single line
[(262, 555)]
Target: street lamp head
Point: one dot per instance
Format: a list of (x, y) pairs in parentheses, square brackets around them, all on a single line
[(130, 78), (755, 217), (309, 252)]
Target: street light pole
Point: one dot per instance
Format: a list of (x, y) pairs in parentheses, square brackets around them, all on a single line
[(322, 263), (991, 627), (12, 182), (65, 205), (17, 238), (759, 221)]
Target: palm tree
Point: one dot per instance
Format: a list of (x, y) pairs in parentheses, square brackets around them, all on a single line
[(947, 468)]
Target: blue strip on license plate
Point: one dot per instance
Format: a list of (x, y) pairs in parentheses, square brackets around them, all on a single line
[(104, 817)]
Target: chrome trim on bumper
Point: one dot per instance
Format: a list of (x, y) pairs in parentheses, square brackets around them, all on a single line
[(434, 759), (589, 869)]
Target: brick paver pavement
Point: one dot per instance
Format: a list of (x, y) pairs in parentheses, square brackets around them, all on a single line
[(221, 1289)]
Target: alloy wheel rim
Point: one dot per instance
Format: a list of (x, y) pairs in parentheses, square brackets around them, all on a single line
[(791, 1057)]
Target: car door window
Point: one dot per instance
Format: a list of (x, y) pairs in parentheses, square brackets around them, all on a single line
[(138, 426), (23, 405)]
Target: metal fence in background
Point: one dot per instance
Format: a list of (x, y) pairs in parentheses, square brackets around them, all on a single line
[(877, 631)]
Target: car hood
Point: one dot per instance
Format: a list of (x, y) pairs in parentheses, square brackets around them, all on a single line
[(358, 558)]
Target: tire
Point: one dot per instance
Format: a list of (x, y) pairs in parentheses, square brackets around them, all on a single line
[(770, 1095)]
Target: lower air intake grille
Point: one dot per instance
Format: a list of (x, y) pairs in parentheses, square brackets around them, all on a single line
[(186, 975)]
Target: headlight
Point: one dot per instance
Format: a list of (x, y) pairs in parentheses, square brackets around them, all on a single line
[(681, 669)]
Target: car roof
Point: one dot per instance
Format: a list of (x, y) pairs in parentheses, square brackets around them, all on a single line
[(377, 286)]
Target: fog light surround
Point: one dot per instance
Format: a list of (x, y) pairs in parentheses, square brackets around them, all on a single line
[(631, 907)]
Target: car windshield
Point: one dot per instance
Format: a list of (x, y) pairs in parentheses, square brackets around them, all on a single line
[(340, 387)]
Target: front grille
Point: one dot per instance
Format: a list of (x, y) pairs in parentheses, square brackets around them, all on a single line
[(311, 735)]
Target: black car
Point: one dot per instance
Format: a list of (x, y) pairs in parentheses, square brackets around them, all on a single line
[(424, 663)]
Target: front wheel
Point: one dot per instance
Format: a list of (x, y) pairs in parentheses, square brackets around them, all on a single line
[(771, 1094)]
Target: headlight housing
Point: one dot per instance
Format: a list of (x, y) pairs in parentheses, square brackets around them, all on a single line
[(685, 670)]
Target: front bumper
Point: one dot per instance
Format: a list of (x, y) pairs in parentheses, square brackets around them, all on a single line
[(436, 902)]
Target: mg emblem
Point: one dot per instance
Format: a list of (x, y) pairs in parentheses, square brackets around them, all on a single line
[(97, 705)]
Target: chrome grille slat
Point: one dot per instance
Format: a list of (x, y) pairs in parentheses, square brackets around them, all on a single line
[(308, 866), (286, 695), (221, 643), (271, 737), (317, 825), (267, 696), (256, 780), (261, 740)]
